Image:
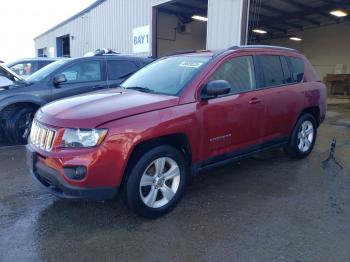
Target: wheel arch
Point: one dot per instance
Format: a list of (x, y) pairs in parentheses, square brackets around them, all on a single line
[(314, 111), (179, 141), (18, 100), (7, 109)]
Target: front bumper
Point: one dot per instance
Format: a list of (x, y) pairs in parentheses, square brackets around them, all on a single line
[(57, 185)]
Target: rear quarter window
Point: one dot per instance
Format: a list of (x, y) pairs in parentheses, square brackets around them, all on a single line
[(298, 69)]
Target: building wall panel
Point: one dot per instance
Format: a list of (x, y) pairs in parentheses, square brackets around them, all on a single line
[(224, 23), (108, 25)]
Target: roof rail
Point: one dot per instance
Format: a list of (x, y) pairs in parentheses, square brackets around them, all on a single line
[(188, 52), (262, 46)]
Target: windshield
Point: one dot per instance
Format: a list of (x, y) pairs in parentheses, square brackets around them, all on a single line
[(168, 75), (45, 71)]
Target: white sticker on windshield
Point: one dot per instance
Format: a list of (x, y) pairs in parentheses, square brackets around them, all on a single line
[(191, 64)]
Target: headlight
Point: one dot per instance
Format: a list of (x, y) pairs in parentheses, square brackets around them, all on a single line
[(83, 137)]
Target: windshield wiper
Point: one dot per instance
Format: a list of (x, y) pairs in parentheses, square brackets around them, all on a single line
[(141, 89)]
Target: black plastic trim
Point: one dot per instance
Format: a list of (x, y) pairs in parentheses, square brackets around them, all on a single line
[(55, 183), (237, 155)]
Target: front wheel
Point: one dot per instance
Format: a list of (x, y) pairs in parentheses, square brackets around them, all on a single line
[(156, 182), (18, 125), (303, 137)]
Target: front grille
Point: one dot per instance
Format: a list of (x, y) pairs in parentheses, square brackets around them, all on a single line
[(41, 136)]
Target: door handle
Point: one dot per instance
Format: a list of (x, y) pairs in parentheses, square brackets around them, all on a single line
[(255, 101)]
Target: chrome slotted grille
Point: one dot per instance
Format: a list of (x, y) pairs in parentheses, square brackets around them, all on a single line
[(42, 137)]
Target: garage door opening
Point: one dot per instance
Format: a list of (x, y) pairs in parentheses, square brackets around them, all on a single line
[(179, 25), (63, 46), (320, 29)]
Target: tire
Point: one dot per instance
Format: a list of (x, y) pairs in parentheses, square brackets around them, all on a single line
[(303, 137), (148, 199), (18, 125)]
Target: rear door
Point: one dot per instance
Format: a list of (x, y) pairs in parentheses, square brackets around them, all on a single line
[(232, 124), (119, 70), (82, 77), (280, 102)]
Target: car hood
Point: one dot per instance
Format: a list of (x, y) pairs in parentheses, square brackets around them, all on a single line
[(93, 109)]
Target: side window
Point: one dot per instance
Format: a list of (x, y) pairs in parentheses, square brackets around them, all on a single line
[(297, 69), (25, 68), (239, 72), (119, 69), (142, 64), (272, 70), (43, 64), (286, 72), (83, 72)]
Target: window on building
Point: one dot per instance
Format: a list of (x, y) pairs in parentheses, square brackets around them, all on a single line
[(83, 72), (239, 72), (119, 69)]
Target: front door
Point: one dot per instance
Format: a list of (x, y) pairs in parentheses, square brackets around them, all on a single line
[(82, 77), (232, 124)]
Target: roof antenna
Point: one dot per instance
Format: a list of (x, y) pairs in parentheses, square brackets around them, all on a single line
[(332, 155)]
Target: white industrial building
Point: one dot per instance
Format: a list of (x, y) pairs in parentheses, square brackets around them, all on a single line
[(148, 27), (318, 28)]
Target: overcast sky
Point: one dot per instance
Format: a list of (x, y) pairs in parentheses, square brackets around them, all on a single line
[(22, 20)]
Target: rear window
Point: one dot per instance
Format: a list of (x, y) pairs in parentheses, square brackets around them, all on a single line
[(297, 67), (272, 70)]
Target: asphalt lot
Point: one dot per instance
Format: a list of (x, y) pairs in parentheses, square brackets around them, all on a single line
[(266, 208)]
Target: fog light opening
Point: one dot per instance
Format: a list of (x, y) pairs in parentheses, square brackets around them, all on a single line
[(75, 173)]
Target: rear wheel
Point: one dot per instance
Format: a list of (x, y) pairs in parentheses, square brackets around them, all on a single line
[(18, 125), (303, 137), (156, 182)]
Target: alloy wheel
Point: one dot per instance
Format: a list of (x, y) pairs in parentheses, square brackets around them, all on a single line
[(160, 182), (25, 125), (305, 136)]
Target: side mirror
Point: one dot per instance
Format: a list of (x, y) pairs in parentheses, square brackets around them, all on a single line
[(5, 82), (58, 79), (215, 88)]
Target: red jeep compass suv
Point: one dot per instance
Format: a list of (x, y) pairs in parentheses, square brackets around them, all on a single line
[(177, 116)]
